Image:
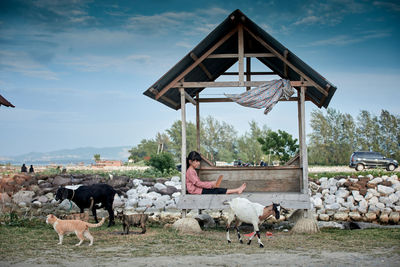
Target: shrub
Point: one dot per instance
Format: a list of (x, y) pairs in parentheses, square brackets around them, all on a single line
[(162, 162)]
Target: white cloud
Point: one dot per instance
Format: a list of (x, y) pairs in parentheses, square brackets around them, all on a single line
[(343, 40), (20, 62), (388, 5)]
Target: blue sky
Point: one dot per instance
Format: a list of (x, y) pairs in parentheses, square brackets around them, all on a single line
[(76, 70)]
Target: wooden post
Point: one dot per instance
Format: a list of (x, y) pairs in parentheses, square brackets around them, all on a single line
[(302, 140), (183, 149), (241, 55), (198, 122), (248, 71)]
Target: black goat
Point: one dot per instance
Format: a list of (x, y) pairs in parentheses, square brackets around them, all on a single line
[(89, 196)]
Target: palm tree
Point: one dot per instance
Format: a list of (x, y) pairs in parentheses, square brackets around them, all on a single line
[(162, 139)]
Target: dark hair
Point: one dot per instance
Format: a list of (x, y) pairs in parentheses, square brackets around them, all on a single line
[(194, 155)]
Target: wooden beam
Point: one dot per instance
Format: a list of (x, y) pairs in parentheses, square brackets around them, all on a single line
[(198, 122), (201, 65), (166, 99), (183, 148), (287, 200), (196, 63), (241, 54), (285, 68), (261, 41), (248, 71), (252, 73), (237, 55), (231, 84), (302, 140), (190, 99), (222, 100)]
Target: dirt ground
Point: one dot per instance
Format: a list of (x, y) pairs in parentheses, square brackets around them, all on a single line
[(266, 258)]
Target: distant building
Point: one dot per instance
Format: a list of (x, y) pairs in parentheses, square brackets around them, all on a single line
[(106, 163)]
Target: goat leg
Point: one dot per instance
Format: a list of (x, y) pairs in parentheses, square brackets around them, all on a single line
[(227, 235), (95, 214), (251, 237), (259, 239), (238, 234)]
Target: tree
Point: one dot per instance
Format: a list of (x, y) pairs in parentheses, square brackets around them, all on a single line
[(144, 149), (367, 131), (389, 129), (162, 141), (250, 149), (162, 161), (96, 157), (333, 138), (280, 144), (218, 139), (175, 135)]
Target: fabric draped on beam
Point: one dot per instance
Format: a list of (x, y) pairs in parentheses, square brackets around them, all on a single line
[(264, 96)]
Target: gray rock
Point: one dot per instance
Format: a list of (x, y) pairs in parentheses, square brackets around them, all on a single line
[(187, 225), (330, 199), (175, 179), (43, 199), (330, 225), (375, 181), (159, 187), (23, 196), (137, 182), (385, 190), (118, 181), (45, 185), (67, 205), (333, 206), (36, 204), (343, 193), (60, 181), (205, 220), (145, 202), (332, 189)]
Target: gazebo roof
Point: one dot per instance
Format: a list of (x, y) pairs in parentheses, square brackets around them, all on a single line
[(4, 102), (205, 64)]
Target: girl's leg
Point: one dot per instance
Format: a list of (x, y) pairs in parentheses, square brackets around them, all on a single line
[(238, 190)]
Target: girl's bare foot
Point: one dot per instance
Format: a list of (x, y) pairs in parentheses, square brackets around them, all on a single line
[(242, 188)]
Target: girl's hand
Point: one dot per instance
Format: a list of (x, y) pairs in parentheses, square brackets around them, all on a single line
[(214, 184)]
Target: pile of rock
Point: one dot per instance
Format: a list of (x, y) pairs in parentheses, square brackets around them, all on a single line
[(30, 192), (365, 199)]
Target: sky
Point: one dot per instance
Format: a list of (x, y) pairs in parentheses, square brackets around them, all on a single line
[(76, 70)]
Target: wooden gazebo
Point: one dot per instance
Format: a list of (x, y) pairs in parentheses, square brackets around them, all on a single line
[(238, 39)]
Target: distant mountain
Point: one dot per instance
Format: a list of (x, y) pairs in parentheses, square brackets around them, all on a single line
[(67, 156)]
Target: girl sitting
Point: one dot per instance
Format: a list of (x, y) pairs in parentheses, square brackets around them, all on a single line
[(197, 187)]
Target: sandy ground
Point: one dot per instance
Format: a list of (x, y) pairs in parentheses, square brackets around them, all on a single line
[(267, 258)]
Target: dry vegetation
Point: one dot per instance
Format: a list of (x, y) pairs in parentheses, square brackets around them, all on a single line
[(36, 243)]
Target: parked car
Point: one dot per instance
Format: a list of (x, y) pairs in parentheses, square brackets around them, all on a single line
[(369, 159)]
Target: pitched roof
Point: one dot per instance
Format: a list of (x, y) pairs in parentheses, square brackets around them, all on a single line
[(4, 102), (256, 40)]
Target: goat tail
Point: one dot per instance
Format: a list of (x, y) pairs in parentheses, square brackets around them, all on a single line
[(96, 224)]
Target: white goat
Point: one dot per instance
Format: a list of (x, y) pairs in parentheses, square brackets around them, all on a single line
[(243, 210)]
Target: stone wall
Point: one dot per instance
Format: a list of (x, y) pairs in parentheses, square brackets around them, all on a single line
[(368, 199)]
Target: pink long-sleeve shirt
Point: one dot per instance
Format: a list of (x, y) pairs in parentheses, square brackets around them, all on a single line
[(193, 183)]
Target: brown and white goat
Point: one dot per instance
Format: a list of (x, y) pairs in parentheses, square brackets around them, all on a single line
[(243, 210)]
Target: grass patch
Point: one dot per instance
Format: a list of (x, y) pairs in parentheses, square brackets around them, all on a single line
[(147, 173), (375, 173), (22, 243)]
